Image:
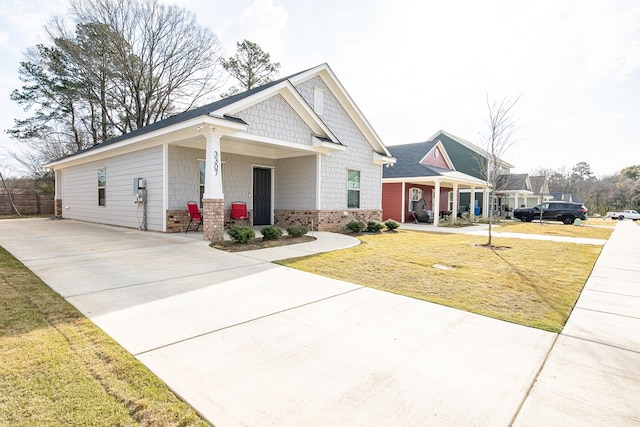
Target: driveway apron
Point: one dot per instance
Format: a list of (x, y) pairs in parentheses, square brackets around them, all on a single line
[(247, 342)]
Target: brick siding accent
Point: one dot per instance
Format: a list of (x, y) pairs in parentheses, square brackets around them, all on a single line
[(177, 221), (334, 220), (58, 208), (214, 214)]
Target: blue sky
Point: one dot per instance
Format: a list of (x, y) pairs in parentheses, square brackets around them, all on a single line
[(417, 66)]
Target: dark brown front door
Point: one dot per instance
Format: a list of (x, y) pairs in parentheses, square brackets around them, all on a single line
[(261, 196)]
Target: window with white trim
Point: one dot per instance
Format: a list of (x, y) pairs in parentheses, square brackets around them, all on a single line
[(353, 189), (415, 195), (201, 173), (102, 187)]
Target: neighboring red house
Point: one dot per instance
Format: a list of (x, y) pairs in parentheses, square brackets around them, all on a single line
[(424, 176)]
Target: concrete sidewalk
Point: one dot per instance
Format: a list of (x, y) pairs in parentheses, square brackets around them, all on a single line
[(247, 342), (592, 375)]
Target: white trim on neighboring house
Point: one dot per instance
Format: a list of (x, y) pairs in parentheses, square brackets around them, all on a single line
[(443, 153), (470, 145)]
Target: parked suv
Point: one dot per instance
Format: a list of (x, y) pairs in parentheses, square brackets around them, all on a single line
[(554, 211)]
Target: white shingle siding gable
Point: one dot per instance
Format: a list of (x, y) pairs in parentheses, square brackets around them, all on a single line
[(274, 118), (184, 176), (80, 190), (357, 156)]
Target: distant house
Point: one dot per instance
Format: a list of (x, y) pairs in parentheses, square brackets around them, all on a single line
[(297, 150), (425, 171), (521, 190)]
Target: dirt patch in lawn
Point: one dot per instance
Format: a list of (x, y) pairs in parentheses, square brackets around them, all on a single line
[(231, 246)]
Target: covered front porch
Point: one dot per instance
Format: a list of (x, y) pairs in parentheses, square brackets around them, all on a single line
[(219, 165), (449, 193)]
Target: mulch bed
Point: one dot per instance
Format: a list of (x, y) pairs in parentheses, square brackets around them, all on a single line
[(231, 246)]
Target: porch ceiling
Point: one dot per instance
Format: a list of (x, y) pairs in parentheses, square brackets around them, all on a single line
[(235, 145), (444, 182)]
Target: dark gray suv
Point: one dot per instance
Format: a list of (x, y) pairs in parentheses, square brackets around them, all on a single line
[(553, 211)]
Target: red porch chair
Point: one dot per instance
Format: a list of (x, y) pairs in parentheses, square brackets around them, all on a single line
[(238, 212), (194, 215)]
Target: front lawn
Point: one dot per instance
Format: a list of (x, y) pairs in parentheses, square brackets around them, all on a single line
[(57, 368), (593, 229), (531, 282)]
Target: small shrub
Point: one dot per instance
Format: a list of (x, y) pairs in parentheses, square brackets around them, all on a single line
[(391, 224), (241, 233), (296, 231), (271, 232), (374, 226), (355, 226)]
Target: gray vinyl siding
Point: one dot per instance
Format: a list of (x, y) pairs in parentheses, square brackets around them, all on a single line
[(296, 183), (184, 175), (80, 190), (237, 177), (357, 156)]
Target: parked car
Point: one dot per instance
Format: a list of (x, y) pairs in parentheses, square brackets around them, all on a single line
[(629, 213), (553, 211)]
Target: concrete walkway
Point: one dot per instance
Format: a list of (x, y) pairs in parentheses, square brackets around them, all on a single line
[(247, 342), (592, 375)]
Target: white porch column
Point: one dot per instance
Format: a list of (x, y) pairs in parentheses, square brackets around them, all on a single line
[(454, 208), (436, 204), (213, 165), (472, 203), (485, 203), (213, 197), (516, 202), (404, 202)]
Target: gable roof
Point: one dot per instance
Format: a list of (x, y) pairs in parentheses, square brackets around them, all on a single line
[(222, 110), (469, 145), (513, 182), (538, 184), (408, 164)]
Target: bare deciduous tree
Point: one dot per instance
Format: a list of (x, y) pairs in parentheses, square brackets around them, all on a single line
[(124, 64), (498, 138)]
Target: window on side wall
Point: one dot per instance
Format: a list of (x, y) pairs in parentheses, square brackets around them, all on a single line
[(201, 185), (102, 187), (353, 189)]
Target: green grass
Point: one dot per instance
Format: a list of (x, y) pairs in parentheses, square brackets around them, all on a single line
[(531, 282), (58, 368)]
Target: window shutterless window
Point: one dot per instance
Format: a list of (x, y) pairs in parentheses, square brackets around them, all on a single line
[(102, 186), (202, 172), (353, 189)]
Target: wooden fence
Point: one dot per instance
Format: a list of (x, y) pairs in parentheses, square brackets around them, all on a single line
[(28, 204)]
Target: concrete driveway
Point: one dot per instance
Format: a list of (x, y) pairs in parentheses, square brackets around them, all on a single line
[(248, 343)]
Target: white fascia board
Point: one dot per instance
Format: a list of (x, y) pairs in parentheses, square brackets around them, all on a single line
[(149, 139), (293, 98), (274, 142), (470, 145), (325, 147), (380, 159), (444, 153), (329, 78)]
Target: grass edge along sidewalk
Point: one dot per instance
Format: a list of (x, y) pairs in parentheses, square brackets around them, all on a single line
[(533, 283), (58, 368)]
